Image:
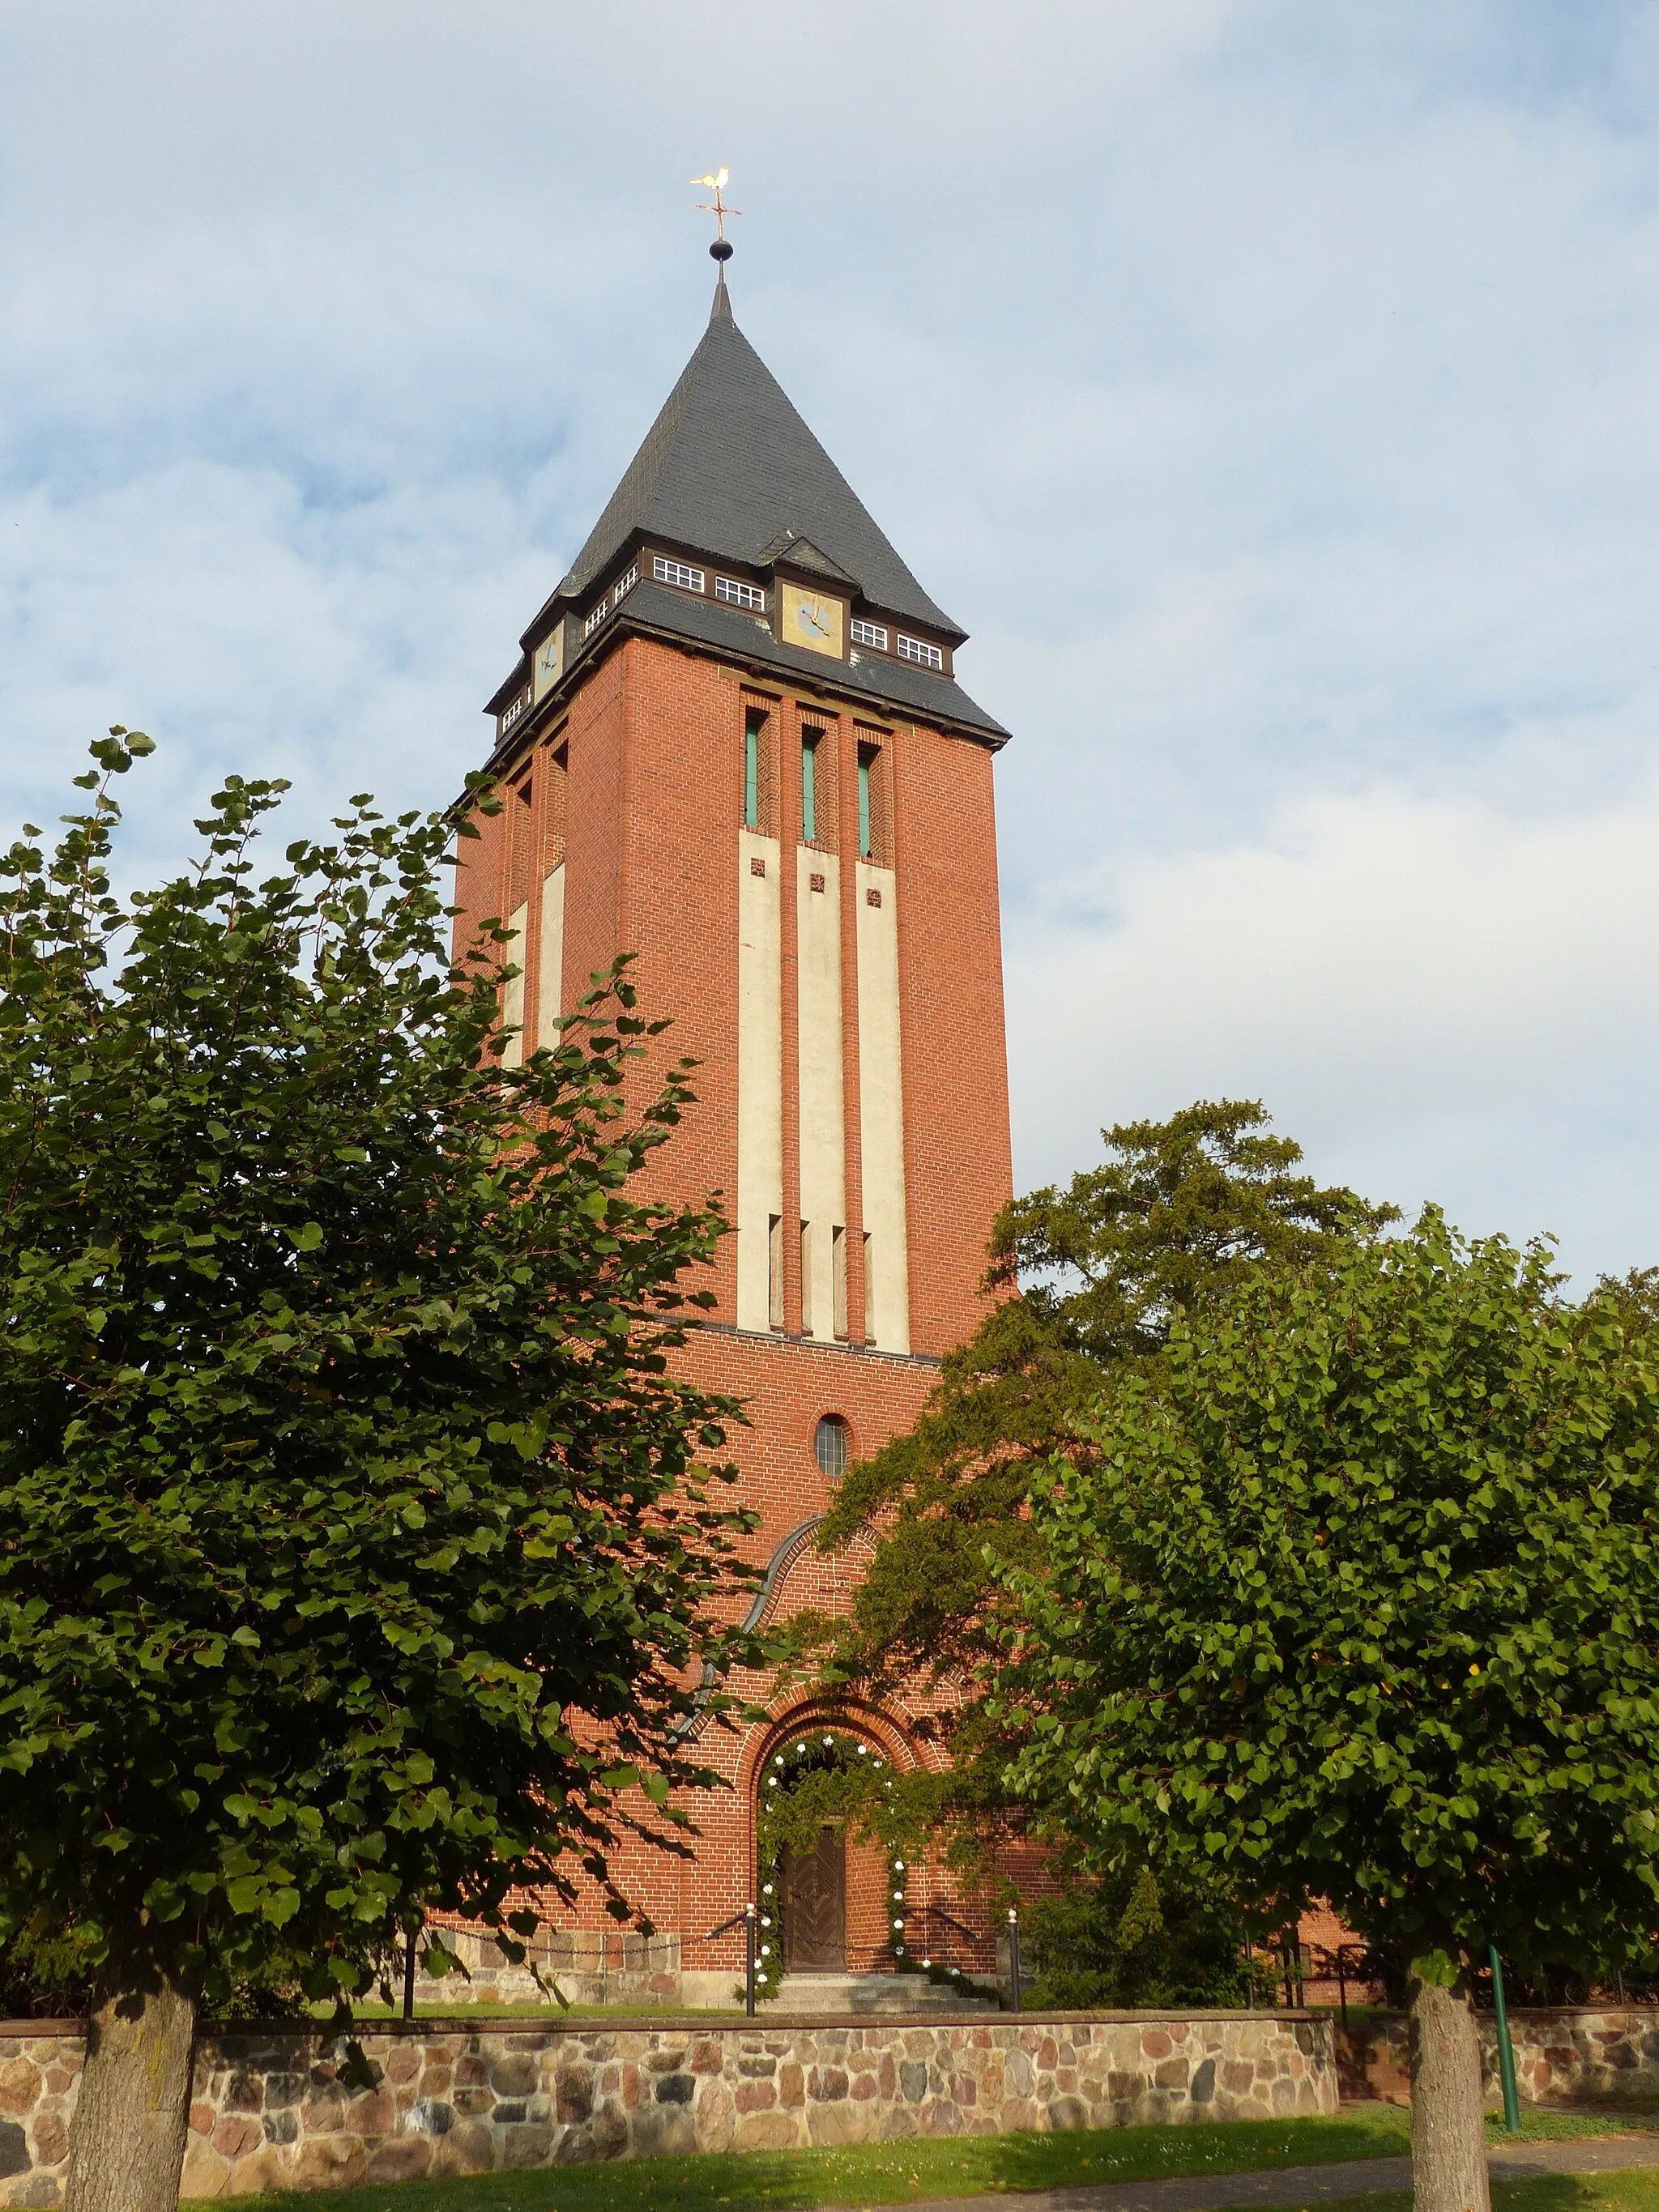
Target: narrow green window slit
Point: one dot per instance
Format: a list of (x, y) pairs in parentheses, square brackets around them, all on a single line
[(809, 788), (751, 737)]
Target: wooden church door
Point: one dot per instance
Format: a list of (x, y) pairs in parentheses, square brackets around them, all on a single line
[(814, 1885)]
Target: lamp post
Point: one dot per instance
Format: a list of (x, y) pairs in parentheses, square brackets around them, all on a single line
[(409, 1969), (1013, 1953), (1505, 2048)]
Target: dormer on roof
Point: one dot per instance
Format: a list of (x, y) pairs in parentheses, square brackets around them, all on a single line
[(790, 551)]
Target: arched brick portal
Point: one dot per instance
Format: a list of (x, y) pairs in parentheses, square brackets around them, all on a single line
[(866, 1948)]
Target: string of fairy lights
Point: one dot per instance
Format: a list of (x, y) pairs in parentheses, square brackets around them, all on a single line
[(833, 1751)]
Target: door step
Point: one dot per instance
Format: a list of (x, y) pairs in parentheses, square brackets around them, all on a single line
[(872, 1993)]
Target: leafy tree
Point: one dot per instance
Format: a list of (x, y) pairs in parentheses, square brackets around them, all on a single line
[(1636, 1295), (1130, 1938), (1179, 1212), (1357, 1596), (353, 1555)]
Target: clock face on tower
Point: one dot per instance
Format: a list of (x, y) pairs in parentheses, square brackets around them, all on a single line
[(548, 661), (812, 619)]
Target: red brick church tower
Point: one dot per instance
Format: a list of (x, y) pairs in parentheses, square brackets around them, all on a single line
[(732, 744)]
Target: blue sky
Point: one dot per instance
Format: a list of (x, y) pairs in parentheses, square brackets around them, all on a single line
[(1269, 388)]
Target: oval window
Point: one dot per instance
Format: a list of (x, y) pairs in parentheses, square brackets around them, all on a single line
[(829, 1446)]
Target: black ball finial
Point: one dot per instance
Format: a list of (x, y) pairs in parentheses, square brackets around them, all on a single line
[(720, 251)]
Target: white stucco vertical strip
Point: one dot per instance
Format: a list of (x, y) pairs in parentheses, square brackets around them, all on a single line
[(512, 990), (881, 1113), (819, 1058), (551, 983), (760, 1071)]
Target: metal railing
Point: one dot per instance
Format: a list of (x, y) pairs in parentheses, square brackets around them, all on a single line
[(745, 1920)]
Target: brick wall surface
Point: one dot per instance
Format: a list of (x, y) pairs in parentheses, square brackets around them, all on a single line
[(275, 2107), (651, 802), (638, 788)]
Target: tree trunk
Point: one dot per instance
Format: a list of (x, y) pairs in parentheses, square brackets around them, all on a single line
[(127, 2138), (1448, 2124)]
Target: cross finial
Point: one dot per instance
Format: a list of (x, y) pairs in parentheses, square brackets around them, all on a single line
[(716, 181)]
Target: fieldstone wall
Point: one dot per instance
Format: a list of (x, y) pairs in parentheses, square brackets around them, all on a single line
[(278, 2107), (40, 2073), (1570, 2055)]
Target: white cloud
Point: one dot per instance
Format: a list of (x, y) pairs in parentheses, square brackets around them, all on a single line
[(1266, 383), (1428, 992)]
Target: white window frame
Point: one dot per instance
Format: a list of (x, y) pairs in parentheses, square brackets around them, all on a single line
[(680, 574), (919, 650), (736, 594), (511, 713), (869, 633), (596, 615), (624, 586)]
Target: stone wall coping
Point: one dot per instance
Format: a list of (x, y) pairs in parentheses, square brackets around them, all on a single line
[(1514, 2011), (637, 2023), (626, 2023)]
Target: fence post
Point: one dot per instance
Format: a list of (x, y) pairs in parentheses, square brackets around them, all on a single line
[(1342, 1980), (409, 1972), (1013, 1953), (748, 1959), (1505, 2048)]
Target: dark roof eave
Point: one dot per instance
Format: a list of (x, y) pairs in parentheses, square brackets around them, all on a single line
[(713, 557), (507, 688), (765, 657)]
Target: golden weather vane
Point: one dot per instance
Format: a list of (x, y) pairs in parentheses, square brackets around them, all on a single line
[(716, 207)]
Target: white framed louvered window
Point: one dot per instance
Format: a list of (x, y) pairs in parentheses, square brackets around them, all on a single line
[(869, 633), (736, 594), (677, 572), (917, 649)]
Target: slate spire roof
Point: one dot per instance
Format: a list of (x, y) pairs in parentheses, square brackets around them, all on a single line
[(730, 470)]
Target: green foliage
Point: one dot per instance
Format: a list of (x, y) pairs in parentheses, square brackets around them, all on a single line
[(1357, 1596), (1178, 1214), (54, 1976), (1130, 1939), (1636, 1297), (354, 1551), (1181, 1213), (45, 1977)]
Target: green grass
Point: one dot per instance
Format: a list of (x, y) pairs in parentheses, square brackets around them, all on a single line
[(911, 2172)]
